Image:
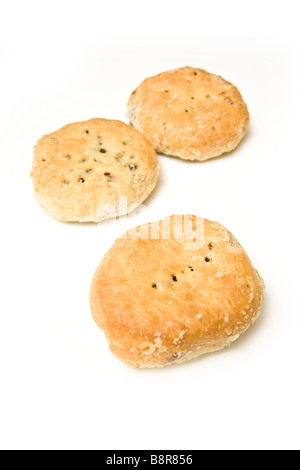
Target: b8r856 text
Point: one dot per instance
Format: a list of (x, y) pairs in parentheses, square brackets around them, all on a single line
[(171, 459)]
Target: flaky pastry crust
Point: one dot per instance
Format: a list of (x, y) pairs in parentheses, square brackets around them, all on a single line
[(81, 171), (189, 113), (163, 301)]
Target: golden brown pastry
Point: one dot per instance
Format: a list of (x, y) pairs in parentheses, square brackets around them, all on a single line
[(81, 171), (189, 113), (171, 291)]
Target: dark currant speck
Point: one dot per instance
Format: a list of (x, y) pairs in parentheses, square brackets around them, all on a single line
[(132, 167)]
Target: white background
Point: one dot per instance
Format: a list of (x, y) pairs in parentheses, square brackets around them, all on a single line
[(61, 388)]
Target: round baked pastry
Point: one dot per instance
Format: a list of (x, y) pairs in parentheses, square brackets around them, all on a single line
[(174, 290), (93, 170), (189, 113)]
